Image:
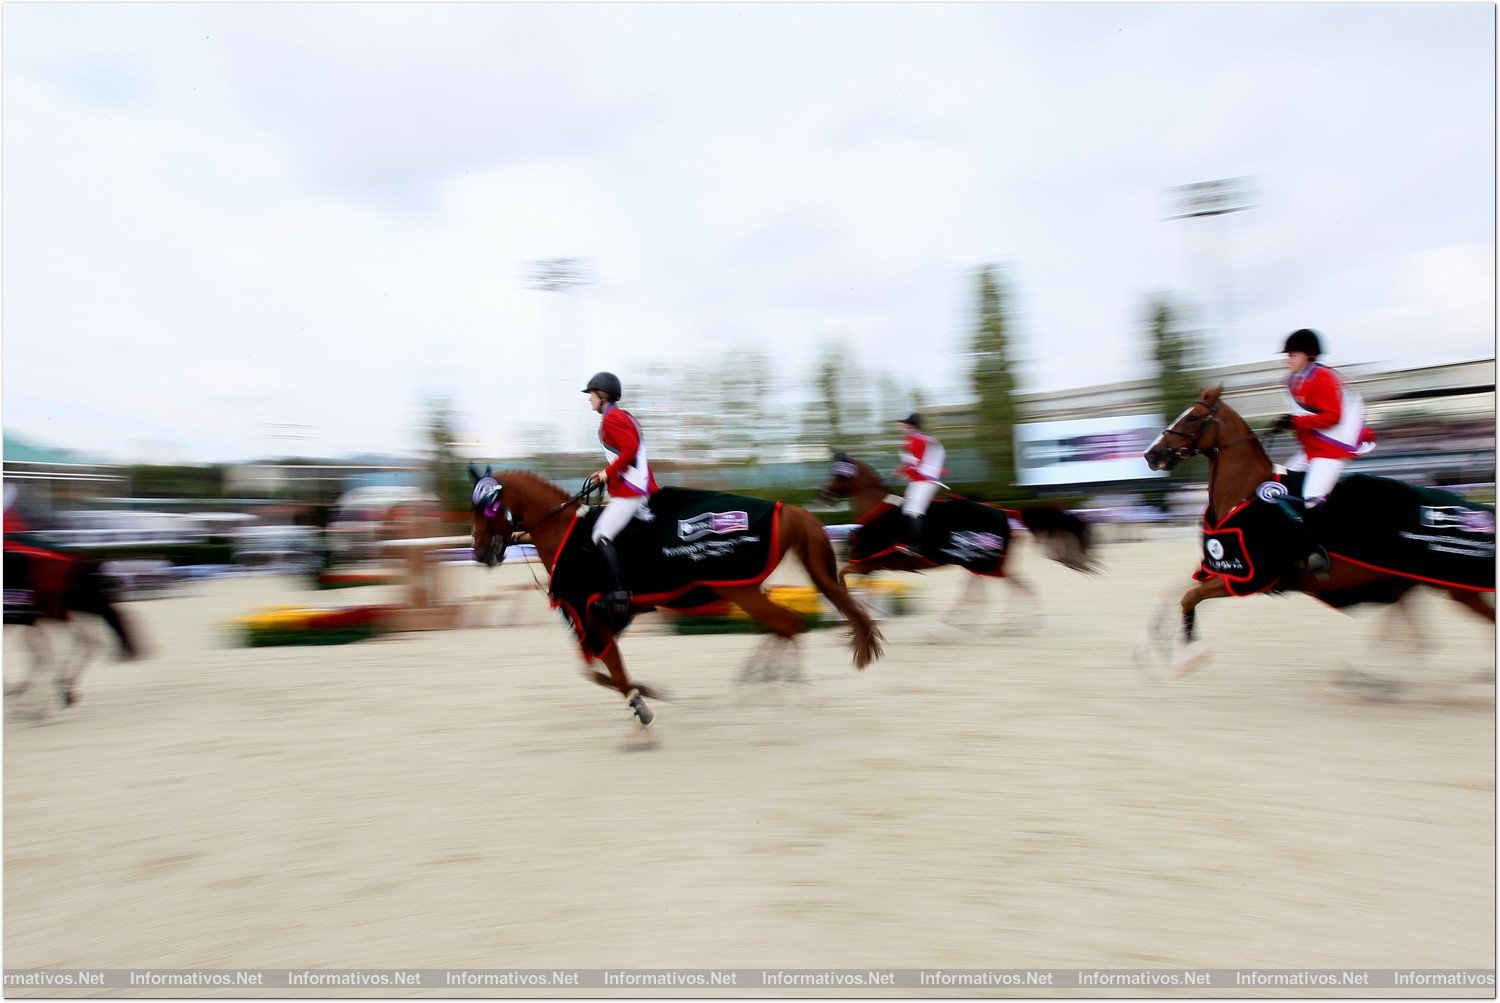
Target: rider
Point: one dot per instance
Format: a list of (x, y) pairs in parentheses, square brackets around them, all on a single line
[(22, 549), (1328, 419), (922, 464), (627, 478)]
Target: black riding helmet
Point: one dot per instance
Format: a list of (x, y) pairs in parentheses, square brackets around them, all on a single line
[(914, 420), (1304, 341), (606, 383)]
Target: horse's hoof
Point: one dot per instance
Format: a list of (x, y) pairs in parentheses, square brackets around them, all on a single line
[(1145, 660), (642, 740), (1194, 656), (643, 713), (1352, 684)]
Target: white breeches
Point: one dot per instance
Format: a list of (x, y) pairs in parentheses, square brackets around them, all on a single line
[(615, 517), (918, 497), (1322, 474)]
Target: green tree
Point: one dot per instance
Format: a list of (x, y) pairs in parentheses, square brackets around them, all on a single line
[(446, 472), (993, 382), (1176, 351), (823, 422)]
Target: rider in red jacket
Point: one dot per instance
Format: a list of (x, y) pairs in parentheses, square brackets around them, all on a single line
[(1328, 419), (627, 478), (922, 465)]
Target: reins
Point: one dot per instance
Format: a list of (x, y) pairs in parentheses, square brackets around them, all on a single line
[(1209, 419), (1212, 452), (589, 487)]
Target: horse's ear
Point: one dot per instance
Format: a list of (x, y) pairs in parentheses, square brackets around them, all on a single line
[(474, 473), (1211, 394), (487, 470)]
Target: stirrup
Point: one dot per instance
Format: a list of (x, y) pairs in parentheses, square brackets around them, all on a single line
[(615, 602), (1318, 564)]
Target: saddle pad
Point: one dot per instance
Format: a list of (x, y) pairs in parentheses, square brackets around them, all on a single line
[(686, 543), (1252, 548), (1423, 533), (954, 531)]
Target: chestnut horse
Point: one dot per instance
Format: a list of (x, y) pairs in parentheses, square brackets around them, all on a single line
[(1066, 537), (511, 501), (1237, 465), (60, 585)]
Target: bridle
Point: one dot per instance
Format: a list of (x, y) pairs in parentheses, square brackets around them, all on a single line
[(845, 468), (488, 499), (1212, 418)]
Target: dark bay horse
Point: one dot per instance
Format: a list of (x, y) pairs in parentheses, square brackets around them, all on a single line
[(1066, 537), (511, 501), (58, 586), (1237, 465)]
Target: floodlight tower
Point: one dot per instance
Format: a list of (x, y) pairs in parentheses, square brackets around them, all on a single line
[(562, 364), (1203, 200)]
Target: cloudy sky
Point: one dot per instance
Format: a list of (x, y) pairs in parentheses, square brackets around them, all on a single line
[(229, 224)]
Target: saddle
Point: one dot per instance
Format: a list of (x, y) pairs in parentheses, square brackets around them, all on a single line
[(956, 530), (1387, 525), (681, 545)]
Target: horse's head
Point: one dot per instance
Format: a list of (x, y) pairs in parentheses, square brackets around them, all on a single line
[(1199, 429), (844, 479), (492, 522)]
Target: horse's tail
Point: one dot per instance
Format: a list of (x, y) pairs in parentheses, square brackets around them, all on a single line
[(92, 592), (816, 555), (1068, 539)]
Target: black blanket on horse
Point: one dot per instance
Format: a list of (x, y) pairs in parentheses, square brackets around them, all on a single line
[(1424, 533), (1387, 525), (954, 531), (1252, 548), (688, 543)]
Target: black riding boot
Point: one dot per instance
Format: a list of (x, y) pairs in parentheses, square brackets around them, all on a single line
[(913, 543), (618, 600), (1317, 561)]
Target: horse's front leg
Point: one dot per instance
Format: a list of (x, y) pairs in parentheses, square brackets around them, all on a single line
[(1193, 653), (39, 649), (71, 669), (1162, 652), (617, 674)]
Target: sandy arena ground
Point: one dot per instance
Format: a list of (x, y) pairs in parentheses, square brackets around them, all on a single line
[(465, 799)]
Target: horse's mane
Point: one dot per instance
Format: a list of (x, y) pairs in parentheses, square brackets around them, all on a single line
[(512, 475), (1225, 406), (868, 468)]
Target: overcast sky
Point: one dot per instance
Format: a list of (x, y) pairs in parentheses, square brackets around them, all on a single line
[(223, 220)]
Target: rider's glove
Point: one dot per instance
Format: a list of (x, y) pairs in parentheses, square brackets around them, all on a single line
[(1283, 424)]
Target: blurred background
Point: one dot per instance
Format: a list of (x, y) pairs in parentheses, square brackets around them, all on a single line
[(275, 273), (260, 258)]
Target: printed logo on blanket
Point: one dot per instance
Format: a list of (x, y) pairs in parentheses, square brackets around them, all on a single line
[(1465, 520), (712, 523), (974, 546)]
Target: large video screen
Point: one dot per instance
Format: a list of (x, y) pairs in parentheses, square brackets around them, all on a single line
[(1083, 450)]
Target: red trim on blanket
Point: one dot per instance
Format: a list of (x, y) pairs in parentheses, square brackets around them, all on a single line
[(644, 604), (28, 551), (773, 557), (562, 545), (1230, 580), (878, 509), (1403, 574)]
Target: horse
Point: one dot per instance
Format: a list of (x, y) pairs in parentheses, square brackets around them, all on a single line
[(61, 584), (1238, 470), (1067, 537), (511, 501)]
